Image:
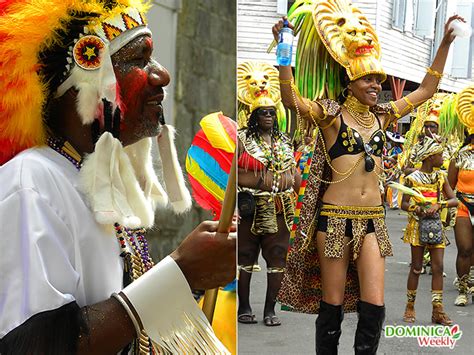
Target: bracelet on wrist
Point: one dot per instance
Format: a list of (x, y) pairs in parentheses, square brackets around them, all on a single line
[(285, 81), (434, 73)]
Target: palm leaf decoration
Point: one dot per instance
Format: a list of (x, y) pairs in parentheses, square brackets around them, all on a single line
[(408, 191)]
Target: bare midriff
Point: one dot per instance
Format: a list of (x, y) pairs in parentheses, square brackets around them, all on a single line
[(361, 188)]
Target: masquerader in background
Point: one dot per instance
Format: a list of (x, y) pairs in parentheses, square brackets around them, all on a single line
[(393, 157), (461, 177), (267, 179), (339, 76), (432, 185)]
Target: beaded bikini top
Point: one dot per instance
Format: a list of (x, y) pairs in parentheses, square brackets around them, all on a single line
[(349, 141)]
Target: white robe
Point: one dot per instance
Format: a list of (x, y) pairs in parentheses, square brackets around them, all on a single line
[(54, 251)]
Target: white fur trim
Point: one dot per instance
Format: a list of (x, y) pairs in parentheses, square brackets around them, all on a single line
[(178, 194), (108, 179), (141, 159), (87, 100)]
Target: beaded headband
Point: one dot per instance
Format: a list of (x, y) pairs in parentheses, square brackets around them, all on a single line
[(90, 69)]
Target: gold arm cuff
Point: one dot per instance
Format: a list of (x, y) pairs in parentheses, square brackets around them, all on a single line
[(285, 81), (410, 106), (395, 109), (434, 73), (316, 120)]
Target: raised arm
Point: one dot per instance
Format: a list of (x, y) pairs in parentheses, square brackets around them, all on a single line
[(430, 83), (290, 95)]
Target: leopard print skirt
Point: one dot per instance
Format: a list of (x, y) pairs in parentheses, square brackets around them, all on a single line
[(338, 217)]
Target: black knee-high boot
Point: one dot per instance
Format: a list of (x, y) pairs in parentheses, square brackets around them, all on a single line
[(328, 328), (369, 328)]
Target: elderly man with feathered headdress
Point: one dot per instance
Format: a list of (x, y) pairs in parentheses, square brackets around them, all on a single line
[(80, 99)]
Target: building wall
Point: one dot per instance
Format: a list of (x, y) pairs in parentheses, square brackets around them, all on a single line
[(404, 54), (204, 83)]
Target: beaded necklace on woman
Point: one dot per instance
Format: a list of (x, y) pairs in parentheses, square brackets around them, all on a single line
[(359, 112), (276, 155)]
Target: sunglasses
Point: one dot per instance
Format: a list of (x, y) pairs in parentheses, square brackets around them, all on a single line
[(434, 125), (266, 112)]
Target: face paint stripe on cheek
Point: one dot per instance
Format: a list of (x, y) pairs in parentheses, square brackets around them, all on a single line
[(132, 88), (149, 43)]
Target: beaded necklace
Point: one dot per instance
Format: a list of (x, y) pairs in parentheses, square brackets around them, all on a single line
[(133, 244), (359, 112), (65, 148), (274, 153)]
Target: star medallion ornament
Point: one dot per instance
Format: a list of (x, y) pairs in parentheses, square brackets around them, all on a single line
[(86, 52)]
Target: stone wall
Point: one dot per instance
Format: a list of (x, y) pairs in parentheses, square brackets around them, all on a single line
[(205, 83)]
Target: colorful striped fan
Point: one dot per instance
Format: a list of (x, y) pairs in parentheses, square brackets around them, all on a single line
[(209, 160)]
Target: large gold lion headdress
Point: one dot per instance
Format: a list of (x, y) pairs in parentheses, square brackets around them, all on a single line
[(349, 37), (465, 108), (332, 34), (254, 81)]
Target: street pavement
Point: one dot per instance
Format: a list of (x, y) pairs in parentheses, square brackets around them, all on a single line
[(296, 334)]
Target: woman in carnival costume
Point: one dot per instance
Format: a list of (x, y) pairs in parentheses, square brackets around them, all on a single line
[(338, 77), (461, 177), (432, 184), (80, 99), (267, 175), (427, 124)]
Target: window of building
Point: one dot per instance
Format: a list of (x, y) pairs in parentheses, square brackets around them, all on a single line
[(463, 47), (460, 59), (425, 14), (399, 11), (282, 7)]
